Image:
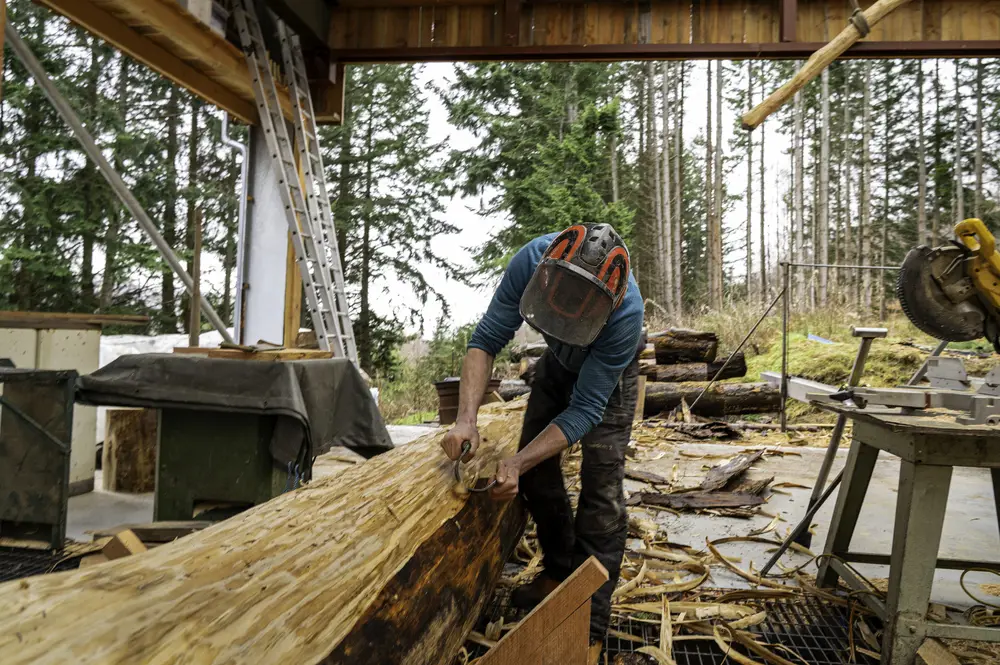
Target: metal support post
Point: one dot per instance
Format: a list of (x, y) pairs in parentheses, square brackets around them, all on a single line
[(117, 184), (920, 373), (784, 344), (239, 299)]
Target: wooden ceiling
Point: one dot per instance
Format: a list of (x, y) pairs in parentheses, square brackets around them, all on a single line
[(400, 30)]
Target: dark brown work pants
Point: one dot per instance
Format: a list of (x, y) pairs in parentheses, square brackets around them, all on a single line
[(601, 523)]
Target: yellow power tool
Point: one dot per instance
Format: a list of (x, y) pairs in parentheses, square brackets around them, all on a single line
[(952, 292)]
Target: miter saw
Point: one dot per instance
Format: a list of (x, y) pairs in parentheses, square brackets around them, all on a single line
[(952, 292)]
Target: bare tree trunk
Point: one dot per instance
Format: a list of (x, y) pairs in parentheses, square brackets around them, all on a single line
[(709, 180), (613, 149), (978, 195), (656, 219), (823, 219), (798, 204), (887, 184), (959, 179), (936, 220), (678, 180), (864, 223), (749, 229), (666, 223), (716, 235), (921, 160), (763, 199), (112, 241), (846, 168)]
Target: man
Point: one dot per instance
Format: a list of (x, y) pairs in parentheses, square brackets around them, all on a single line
[(574, 287)]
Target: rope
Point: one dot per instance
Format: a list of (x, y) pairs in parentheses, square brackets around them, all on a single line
[(858, 20)]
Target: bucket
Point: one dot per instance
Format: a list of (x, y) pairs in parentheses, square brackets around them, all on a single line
[(448, 390)]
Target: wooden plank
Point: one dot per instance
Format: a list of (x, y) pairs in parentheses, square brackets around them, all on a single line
[(124, 543), (293, 296), (59, 320), (696, 500), (550, 614), (567, 645), (640, 403), (511, 22), (275, 355), (932, 652), (788, 31), (128, 460)]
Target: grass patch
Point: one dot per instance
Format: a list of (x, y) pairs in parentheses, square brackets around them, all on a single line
[(418, 418)]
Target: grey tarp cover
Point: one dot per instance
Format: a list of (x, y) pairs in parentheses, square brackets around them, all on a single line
[(326, 403)]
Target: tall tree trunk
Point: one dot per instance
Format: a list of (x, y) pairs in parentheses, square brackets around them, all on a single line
[(978, 195), (716, 235), (678, 185), (959, 128), (846, 280), (798, 203), (342, 216), (936, 219), (666, 225), (655, 219), (922, 238), (763, 188), (116, 218), (168, 303), (864, 222), (365, 315), (93, 212), (613, 152), (823, 219), (709, 181), (749, 228), (887, 184), (194, 166)]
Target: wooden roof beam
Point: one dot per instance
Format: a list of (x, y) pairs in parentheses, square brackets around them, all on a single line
[(172, 42)]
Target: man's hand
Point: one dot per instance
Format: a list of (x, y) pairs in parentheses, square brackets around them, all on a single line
[(456, 436), (508, 475)]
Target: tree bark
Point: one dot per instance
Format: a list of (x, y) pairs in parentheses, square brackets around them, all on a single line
[(128, 461), (116, 218), (864, 221), (959, 128), (798, 203), (194, 176), (722, 399), (684, 346), (655, 219), (823, 218), (376, 563), (168, 303), (696, 371), (666, 221), (763, 201), (678, 187), (978, 194), (749, 228), (922, 238), (716, 235), (847, 177), (364, 330), (936, 220), (709, 182)]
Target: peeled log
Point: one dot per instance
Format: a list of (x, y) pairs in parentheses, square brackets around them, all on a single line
[(696, 371), (684, 346), (722, 399), (381, 563)]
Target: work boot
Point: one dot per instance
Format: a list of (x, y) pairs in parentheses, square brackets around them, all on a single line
[(527, 596), (594, 653)]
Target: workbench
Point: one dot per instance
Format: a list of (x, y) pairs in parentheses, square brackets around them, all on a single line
[(929, 445)]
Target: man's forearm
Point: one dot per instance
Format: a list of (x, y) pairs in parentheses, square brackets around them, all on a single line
[(548, 444), (476, 371)]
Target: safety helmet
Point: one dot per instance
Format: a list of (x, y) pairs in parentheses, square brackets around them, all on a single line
[(580, 281)]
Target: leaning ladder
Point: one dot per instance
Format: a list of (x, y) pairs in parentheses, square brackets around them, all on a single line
[(307, 206)]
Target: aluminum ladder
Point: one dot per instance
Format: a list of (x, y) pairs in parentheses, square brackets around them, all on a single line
[(306, 202)]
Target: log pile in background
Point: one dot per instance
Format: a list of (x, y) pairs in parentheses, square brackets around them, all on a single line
[(677, 363)]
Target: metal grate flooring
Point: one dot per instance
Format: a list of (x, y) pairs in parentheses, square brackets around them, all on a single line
[(815, 631), (16, 562)]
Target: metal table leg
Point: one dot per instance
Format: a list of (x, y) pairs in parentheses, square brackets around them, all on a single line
[(857, 475), (916, 538), (995, 473)]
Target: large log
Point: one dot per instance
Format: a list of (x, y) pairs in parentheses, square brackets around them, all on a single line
[(684, 346), (679, 373), (722, 399), (382, 563)]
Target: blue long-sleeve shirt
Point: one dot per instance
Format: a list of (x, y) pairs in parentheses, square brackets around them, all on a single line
[(598, 367)]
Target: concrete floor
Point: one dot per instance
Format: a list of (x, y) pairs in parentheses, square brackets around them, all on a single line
[(971, 529)]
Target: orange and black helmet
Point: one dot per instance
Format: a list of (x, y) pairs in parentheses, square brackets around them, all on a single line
[(580, 281)]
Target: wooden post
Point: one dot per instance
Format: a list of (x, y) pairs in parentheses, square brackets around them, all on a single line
[(293, 297), (194, 321), (129, 457), (819, 61), (640, 402)]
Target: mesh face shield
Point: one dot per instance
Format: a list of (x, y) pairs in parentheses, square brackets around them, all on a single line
[(566, 303)]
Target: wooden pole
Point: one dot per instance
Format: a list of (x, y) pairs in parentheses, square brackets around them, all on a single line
[(194, 320), (819, 61)]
